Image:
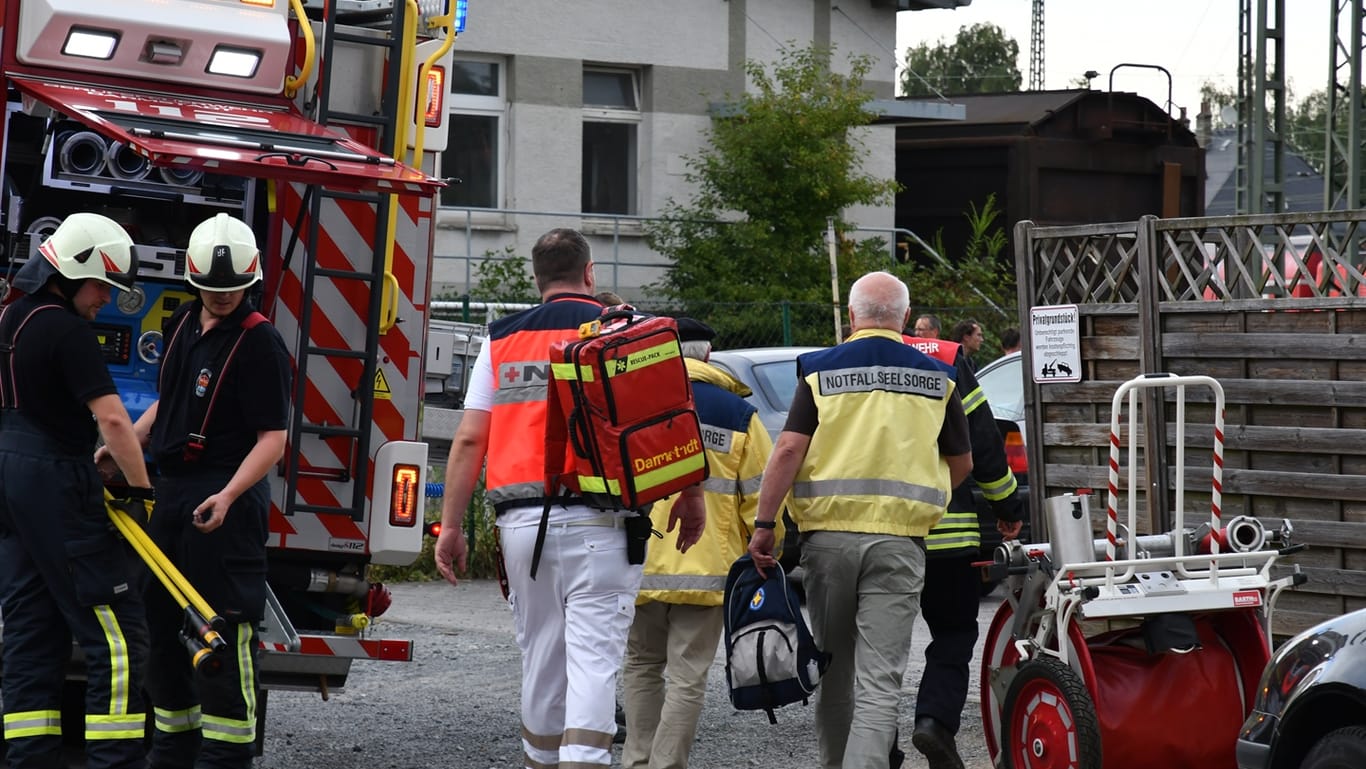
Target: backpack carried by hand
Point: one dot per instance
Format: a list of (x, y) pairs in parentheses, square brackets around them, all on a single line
[(771, 658)]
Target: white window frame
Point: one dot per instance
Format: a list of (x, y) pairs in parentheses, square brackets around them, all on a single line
[(483, 106), (633, 117)]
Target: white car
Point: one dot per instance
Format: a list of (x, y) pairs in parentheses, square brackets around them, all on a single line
[(771, 372)]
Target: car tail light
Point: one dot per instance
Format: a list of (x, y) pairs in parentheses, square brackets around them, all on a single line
[(1015, 453), (405, 496)]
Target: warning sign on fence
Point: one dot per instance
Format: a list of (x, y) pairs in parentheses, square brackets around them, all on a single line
[(1055, 340)]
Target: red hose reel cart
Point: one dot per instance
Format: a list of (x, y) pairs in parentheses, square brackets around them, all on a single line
[(1132, 652)]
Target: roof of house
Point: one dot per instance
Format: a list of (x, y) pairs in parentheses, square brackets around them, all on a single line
[(1091, 114), (1023, 107), (1303, 185)]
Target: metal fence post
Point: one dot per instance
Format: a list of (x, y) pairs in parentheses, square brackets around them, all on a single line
[(787, 323)]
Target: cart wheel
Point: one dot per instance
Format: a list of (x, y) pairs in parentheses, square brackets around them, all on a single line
[(1050, 720), (999, 652)]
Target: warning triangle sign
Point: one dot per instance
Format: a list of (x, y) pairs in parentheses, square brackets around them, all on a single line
[(381, 388)]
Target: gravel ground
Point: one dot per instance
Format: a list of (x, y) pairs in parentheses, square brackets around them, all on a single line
[(456, 704)]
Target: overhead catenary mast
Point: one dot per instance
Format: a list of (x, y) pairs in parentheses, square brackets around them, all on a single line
[(1036, 48)]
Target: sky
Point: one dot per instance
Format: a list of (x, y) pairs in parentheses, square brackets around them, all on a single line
[(1196, 40)]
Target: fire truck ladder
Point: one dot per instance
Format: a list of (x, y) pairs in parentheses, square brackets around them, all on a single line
[(396, 45)]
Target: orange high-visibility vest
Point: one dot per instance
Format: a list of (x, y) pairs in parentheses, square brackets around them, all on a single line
[(940, 349), (519, 348)]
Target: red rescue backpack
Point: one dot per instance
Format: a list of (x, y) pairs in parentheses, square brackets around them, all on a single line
[(620, 396)]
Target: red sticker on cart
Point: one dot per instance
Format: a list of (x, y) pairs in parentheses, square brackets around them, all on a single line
[(1247, 598)]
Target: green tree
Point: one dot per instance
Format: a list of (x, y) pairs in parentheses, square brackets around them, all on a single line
[(1219, 96), (504, 277), (982, 59), (978, 281), (785, 158), (1308, 128)]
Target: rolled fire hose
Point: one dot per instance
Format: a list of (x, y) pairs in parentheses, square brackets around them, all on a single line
[(180, 177), (123, 163), (82, 153)]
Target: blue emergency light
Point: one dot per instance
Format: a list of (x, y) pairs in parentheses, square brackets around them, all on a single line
[(462, 7)]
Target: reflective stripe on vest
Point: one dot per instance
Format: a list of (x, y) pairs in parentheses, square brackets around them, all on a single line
[(741, 486), (699, 582), (876, 487), (510, 493)]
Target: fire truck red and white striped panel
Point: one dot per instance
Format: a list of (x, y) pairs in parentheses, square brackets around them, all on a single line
[(341, 309), (388, 649)]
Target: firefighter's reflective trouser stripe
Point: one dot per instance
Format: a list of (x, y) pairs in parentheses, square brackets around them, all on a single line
[(571, 623), (32, 723), (221, 729), (64, 576), (207, 720), (239, 730), (176, 721)]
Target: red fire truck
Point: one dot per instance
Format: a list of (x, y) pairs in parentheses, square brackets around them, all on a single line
[(318, 124)]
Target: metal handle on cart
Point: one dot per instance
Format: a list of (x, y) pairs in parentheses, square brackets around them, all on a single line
[(1130, 388)]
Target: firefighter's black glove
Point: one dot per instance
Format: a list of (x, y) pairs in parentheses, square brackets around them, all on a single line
[(135, 502), (1010, 509), (1009, 514)]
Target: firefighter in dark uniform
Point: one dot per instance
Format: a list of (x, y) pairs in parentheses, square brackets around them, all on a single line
[(952, 586), (215, 432), (63, 574)]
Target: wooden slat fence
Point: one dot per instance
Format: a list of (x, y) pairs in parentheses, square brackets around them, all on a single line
[(1274, 307)]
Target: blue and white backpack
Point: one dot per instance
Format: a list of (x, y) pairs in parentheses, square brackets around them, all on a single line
[(771, 658)]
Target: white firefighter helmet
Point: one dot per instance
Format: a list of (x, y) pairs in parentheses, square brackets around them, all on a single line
[(83, 246), (222, 255)]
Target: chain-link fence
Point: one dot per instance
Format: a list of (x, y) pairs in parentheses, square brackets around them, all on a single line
[(769, 324)]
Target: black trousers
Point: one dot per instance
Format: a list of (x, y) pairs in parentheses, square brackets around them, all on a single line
[(949, 605), (206, 718), (64, 575)]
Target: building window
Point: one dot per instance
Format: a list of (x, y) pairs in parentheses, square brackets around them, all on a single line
[(610, 89), (611, 121), (474, 147)]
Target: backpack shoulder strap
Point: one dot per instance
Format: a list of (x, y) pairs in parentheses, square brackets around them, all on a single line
[(556, 442)]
